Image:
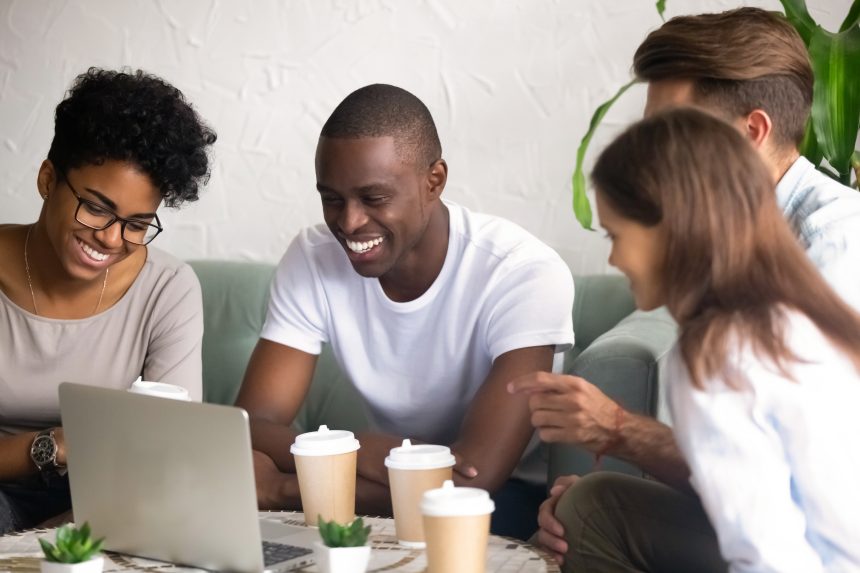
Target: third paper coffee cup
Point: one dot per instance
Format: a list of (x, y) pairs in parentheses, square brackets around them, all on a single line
[(325, 465), (456, 528), (413, 470)]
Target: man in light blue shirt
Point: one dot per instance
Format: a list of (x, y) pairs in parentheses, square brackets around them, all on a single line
[(751, 68), (825, 215)]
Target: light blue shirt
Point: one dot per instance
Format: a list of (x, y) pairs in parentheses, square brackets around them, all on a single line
[(825, 216)]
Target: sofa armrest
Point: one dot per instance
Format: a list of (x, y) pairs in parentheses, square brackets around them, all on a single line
[(623, 364)]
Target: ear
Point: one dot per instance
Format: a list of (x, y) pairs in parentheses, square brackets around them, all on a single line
[(437, 176), (46, 180), (758, 128)]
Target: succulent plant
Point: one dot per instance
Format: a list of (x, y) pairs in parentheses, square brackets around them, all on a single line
[(334, 534), (74, 545)]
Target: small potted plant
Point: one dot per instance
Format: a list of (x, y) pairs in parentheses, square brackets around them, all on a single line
[(75, 552), (344, 548)]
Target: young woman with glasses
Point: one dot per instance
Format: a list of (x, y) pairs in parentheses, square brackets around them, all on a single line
[(83, 295)]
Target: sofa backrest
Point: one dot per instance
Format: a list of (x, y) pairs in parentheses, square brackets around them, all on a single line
[(235, 295)]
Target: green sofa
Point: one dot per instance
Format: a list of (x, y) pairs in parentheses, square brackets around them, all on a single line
[(617, 348)]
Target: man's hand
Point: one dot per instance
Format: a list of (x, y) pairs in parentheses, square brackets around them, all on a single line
[(372, 453), (60, 438), (568, 409), (463, 467), (275, 490), (550, 536)]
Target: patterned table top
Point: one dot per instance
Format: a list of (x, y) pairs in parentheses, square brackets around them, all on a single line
[(20, 553)]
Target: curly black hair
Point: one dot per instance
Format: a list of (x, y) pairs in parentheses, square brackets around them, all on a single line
[(138, 118)]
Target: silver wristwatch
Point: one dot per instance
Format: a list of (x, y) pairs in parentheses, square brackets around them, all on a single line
[(43, 452)]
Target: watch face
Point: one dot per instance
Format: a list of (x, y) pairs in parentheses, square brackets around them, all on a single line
[(44, 450)]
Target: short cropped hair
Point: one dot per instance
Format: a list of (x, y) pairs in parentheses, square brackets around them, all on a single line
[(382, 110), (738, 61), (138, 118)]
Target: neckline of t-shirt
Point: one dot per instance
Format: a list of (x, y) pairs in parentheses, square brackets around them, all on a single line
[(455, 215), (123, 301)]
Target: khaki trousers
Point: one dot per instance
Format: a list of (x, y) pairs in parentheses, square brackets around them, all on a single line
[(618, 523)]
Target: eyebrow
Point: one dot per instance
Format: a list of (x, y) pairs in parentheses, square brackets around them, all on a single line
[(112, 205), (371, 188)]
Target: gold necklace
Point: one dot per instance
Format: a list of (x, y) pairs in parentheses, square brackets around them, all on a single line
[(30, 281)]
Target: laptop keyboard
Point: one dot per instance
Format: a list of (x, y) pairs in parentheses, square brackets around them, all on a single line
[(274, 553)]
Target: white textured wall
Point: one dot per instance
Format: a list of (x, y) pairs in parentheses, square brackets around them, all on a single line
[(511, 84)]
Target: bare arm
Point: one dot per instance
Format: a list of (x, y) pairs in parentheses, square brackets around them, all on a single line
[(15, 455), (496, 428), (493, 436), (570, 409), (275, 385)]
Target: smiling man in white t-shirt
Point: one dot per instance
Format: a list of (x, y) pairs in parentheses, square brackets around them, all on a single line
[(430, 310)]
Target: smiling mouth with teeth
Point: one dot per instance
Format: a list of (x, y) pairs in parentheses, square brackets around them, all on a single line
[(92, 253), (363, 247)]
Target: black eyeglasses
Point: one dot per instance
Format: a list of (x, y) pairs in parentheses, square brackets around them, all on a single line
[(97, 217)]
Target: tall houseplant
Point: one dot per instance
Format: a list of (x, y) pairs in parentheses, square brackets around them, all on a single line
[(831, 134)]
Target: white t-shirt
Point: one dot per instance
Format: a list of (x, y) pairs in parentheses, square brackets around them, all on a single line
[(776, 461), (418, 364)]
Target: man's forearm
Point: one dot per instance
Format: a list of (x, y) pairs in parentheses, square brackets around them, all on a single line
[(651, 446), (274, 440), (372, 498)]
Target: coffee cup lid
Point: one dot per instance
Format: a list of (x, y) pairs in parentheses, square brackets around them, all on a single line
[(160, 389), (452, 501), (324, 442), (419, 457)]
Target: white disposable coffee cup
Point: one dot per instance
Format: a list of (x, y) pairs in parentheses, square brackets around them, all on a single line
[(325, 465), (160, 389), (413, 470), (456, 528)]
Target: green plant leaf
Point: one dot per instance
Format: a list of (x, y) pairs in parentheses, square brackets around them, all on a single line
[(855, 163), (661, 8), (853, 17), (798, 15), (836, 96), (333, 534), (73, 545), (581, 205), (63, 534), (49, 550)]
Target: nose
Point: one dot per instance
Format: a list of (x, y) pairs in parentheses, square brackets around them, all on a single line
[(352, 217), (110, 236)]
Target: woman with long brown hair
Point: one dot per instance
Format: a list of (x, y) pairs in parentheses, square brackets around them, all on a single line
[(765, 378)]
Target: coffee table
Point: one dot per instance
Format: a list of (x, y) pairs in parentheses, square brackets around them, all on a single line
[(20, 553)]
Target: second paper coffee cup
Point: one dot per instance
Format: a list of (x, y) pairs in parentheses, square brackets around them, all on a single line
[(413, 470), (325, 465)]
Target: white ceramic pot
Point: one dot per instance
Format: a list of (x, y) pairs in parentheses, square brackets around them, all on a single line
[(341, 559), (94, 565)]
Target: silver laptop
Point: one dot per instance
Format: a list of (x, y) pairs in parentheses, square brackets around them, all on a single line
[(173, 481)]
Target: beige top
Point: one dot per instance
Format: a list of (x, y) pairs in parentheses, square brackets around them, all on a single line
[(155, 330)]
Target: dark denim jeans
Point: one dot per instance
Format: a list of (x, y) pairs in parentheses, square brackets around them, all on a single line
[(517, 504), (28, 503)]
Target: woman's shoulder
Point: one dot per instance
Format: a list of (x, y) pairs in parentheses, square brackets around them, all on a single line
[(11, 250), (165, 273)]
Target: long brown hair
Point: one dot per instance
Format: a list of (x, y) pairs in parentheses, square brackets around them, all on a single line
[(732, 264), (739, 60)]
